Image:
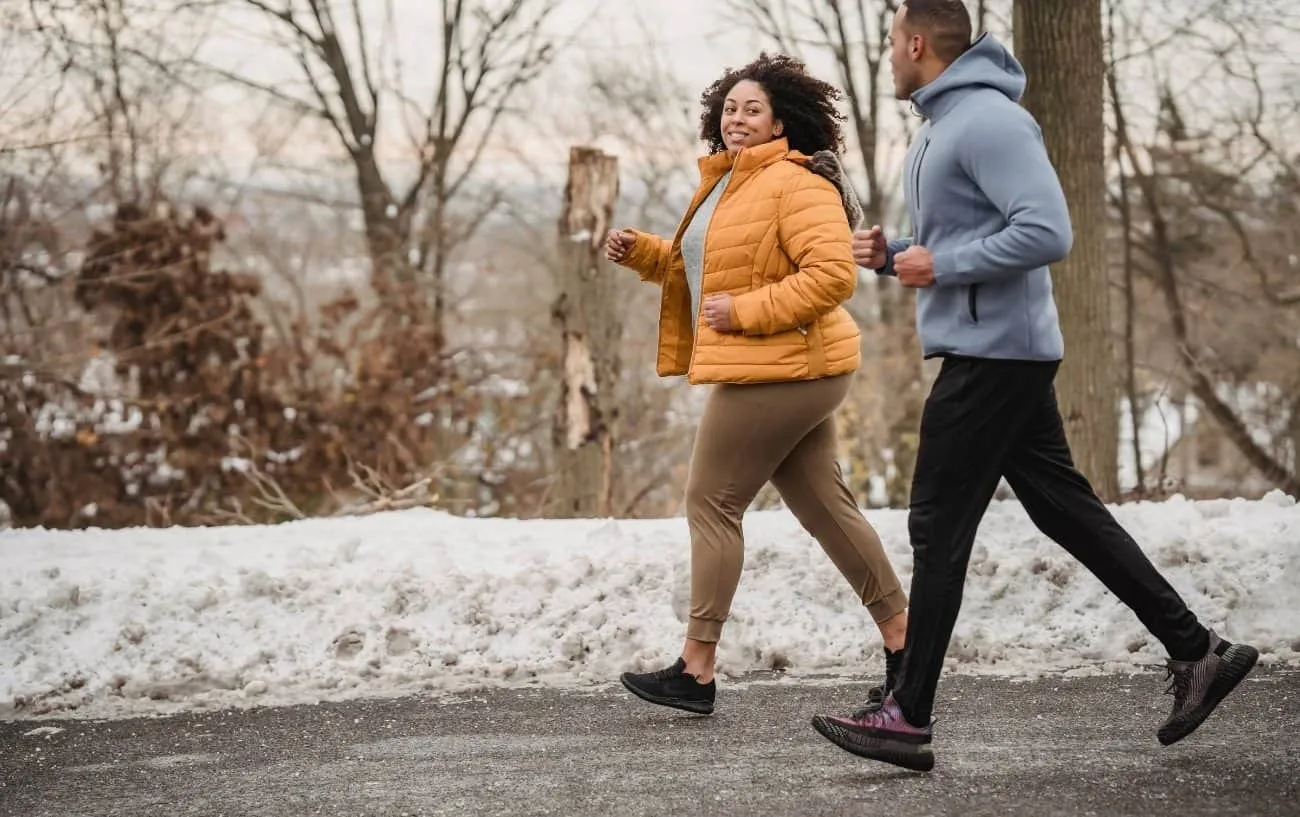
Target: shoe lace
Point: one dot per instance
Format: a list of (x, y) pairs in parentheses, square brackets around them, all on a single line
[(1180, 682), (670, 672), (876, 695), (875, 700), (873, 714)]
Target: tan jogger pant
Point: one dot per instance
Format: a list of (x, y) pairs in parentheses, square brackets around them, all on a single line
[(782, 432)]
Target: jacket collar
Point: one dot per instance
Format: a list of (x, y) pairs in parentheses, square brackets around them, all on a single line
[(748, 160)]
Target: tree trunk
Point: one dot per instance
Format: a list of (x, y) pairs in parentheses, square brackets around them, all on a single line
[(1124, 203), (1060, 44), (586, 312), (1203, 385), (385, 234), (1292, 456), (908, 394)]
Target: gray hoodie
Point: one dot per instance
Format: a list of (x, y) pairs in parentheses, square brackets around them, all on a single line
[(986, 202)]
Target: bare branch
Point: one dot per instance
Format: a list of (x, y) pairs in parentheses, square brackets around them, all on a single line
[(1178, 32), (372, 90), (763, 16), (271, 496), (286, 16), (1202, 382)]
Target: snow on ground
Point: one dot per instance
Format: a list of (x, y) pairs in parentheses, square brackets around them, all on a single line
[(141, 621)]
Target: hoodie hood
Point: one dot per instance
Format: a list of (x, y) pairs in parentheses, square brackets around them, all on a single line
[(986, 64)]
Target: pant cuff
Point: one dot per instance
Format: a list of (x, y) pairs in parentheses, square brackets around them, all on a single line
[(703, 629), (888, 606), (1203, 643)]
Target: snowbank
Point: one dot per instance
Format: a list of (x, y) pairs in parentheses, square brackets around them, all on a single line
[(141, 621)]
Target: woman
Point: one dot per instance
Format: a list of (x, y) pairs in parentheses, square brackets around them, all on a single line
[(753, 284)]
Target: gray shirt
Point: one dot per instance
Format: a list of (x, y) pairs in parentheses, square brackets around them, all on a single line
[(693, 246)]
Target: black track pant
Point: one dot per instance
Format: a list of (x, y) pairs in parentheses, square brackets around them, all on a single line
[(985, 419)]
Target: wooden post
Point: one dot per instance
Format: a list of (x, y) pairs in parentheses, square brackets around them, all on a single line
[(586, 310)]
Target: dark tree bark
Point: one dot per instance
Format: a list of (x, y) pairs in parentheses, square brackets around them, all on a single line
[(1060, 44)]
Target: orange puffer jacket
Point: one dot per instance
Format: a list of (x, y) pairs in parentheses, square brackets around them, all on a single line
[(780, 242)]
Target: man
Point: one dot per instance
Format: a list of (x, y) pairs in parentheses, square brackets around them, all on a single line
[(988, 217)]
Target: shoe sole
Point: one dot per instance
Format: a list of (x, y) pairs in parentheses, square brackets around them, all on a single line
[(694, 707), (1238, 661), (913, 756)]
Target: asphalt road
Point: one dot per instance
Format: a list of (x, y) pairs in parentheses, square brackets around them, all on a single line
[(1052, 747)]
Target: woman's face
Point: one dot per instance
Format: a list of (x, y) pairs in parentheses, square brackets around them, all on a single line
[(747, 117)]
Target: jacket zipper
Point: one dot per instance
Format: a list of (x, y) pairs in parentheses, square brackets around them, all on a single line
[(974, 310)]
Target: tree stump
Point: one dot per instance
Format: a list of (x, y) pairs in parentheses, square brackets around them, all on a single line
[(587, 315)]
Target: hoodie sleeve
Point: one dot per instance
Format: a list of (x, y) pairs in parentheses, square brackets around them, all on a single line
[(1004, 155), (893, 247), (814, 232)]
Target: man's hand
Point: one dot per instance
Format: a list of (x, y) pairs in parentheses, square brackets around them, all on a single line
[(870, 249), (717, 313), (915, 267)]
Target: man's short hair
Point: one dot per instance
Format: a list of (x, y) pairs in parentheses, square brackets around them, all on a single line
[(945, 23)]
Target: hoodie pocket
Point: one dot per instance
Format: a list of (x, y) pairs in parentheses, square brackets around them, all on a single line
[(973, 303), (916, 188)]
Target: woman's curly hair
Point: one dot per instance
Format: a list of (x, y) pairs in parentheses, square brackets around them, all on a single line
[(803, 103)]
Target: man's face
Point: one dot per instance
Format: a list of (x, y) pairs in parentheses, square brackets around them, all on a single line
[(904, 56)]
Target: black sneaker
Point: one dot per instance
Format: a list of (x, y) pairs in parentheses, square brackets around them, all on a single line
[(671, 686), (880, 733), (893, 662), (1199, 686)]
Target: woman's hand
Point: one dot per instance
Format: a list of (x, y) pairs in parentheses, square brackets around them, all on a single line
[(717, 313), (617, 245)]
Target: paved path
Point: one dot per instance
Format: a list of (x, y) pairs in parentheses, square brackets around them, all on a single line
[(1054, 747)]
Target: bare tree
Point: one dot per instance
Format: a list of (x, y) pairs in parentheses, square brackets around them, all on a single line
[(1060, 44), (75, 81), (358, 85), (1210, 186), (1123, 202), (35, 91), (145, 125), (29, 240)]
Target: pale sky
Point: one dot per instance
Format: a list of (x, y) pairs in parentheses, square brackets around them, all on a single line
[(699, 37), (695, 39)]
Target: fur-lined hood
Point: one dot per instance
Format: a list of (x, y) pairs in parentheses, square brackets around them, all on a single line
[(827, 165)]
